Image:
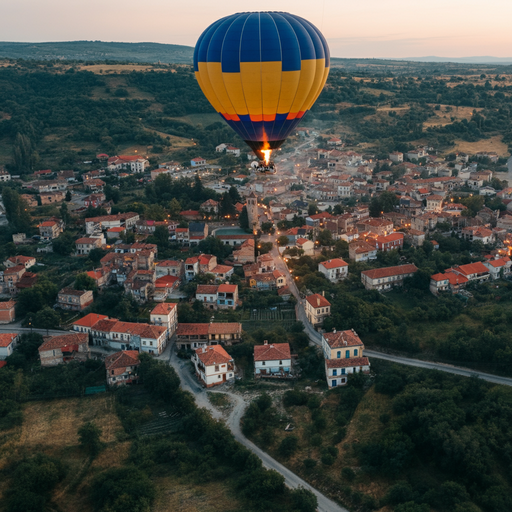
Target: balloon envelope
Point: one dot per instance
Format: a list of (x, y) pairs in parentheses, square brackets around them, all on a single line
[(262, 71)]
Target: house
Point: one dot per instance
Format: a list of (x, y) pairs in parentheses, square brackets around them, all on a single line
[(449, 281), (182, 236), (335, 270), (64, 348), (26, 261), (85, 245), (86, 323), (100, 276), (434, 203), (213, 365), (50, 229), (197, 162), (396, 157), (416, 237), (191, 267), (9, 279), (386, 278), (52, 197), (4, 175), (121, 367), (233, 151), (94, 200), (8, 342), (389, 242), (234, 240), (164, 286), (267, 280), (192, 336), (210, 206), (105, 222), (227, 296), (359, 250), (74, 300), (245, 254), (478, 233), (334, 141), (343, 353), (222, 272), (123, 162), (7, 312), (317, 309), (169, 268), (191, 214), (499, 268), (272, 359), (207, 294), (380, 227), (197, 231), (305, 245), (115, 233), (472, 271)]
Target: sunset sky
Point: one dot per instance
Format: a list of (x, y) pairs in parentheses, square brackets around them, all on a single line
[(365, 28)]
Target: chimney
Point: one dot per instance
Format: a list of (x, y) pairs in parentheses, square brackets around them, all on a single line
[(323, 293), (265, 342), (334, 331)]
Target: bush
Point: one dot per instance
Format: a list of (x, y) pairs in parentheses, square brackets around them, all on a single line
[(348, 474), (316, 440), (309, 463), (332, 451), (384, 418), (295, 397), (288, 446), (89, 437), (339, 436), (314, 402), (328, 460), (303, 500)]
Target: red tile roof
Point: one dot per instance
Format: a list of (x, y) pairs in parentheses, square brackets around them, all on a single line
[(342, 339), (213, 355), (6, 338), (21, 260), (164, 308), (210, 289), (192, 329), (499, 263), (334, 263), (228, 288), (166, 281), (122, 359), (90, 320), (472, 268), (347, 362), (272, 352), (318, 301), (221, 269), (64, 340), (378, 273), (225, 328), (7, 305)]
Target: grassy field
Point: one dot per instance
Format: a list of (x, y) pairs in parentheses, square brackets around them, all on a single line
[(51, 427)]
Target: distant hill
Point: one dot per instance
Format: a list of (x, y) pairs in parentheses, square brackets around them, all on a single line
[(461, 60), (99, 51)]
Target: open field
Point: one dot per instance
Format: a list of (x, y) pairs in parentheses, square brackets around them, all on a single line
[(120, 68), (447, 112), (492, 144)]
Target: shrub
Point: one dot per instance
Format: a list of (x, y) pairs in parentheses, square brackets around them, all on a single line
[(384, 418), (295, 397), (328, 460), (303, 500), (331, 450), (309, 463), (314, 402), (339, 436), (89, 437), (316, 440), (288, 446), (348, 474)]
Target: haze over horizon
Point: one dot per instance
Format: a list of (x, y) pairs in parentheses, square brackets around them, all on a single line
[(366, 29)]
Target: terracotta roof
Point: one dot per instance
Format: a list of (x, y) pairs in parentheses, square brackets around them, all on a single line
[(301, 241), (439, 277), (210, 289), (47, 224), (168, 263), (192, 329), (227, 288), (284, 290), (64, 340), (14, 270), (122, 359), (499, 263), (221, 269), (192, 260), (7, 305), (213, 355), (105, 325), (378, 273), (21, 260), (318, 301), (347, 362), (456, 278), (272, 352), (72, 291), (165, 281), (6, 338), (472, 268), (225, 328), (90, 320), (334, 263), (342, 339), (164, 308), (390, 238)]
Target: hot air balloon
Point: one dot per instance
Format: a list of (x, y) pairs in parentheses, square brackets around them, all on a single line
[(262, 71)]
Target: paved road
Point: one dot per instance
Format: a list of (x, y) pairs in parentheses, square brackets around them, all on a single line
[(21, 330), (457, 370), (189, 383)]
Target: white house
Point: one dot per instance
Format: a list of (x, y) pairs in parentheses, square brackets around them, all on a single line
[(272, 359), (213, 365), (497, 266), (306, 245), (8, 342), (343, 352), (335, 270), (207, 294), (165, 314)]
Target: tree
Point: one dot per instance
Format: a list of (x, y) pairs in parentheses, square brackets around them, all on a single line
[(162, 237), (235, 196), (226, 207), (312, 209), (244, 219), (283, 240), (325, 238), (84, 282), (69, 196), (64, 244), (96, 254), (288, 446), (112, 194), (23, 155), (174, 208), (267, 227), (89, 435), (64, 214), (303, 499), (16, 210), (47, 318)]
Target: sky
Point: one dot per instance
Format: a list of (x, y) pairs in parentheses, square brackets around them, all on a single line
[(362, 28)]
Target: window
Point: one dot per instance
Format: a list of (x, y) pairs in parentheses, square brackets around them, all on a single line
[(216, 367), (263, 363), (355, 352), (338, 354), (334, 383), (151, 343), (347, 354), (335, 372), (343, 371)]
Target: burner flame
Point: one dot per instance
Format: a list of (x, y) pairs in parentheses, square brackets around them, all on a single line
[(266, 155)]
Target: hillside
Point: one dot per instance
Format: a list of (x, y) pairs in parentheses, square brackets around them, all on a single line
[(98, 51)]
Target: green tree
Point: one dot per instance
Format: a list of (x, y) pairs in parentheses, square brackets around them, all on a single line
[(69, 196), (288, 446), (303, 500), (64, 244), (267, 227), (84, 282), (244, 219), (47, 318), (325, 238), (23, 155), (174, 208), (64, 214), (226, 207), (16, 210), (89, 435), (312, 209), (283, 240)]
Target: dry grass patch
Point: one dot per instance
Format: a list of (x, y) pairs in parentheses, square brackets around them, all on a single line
[(495, 144), (119, 68), (444, 116), (177, 496)]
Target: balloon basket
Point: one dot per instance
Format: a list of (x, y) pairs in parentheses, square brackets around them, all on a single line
[(269, 168)]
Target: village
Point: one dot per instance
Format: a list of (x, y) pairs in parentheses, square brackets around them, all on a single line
[(322, 196)]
